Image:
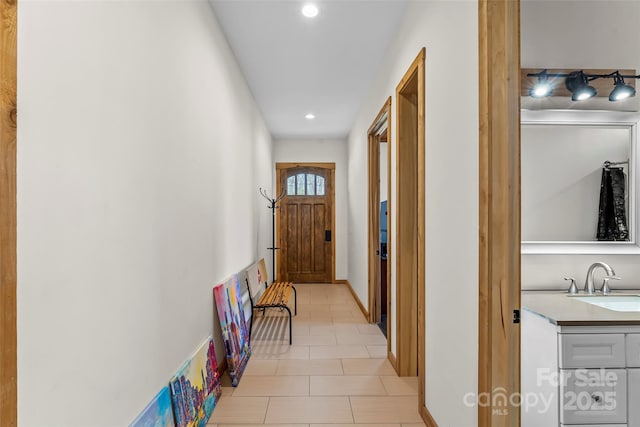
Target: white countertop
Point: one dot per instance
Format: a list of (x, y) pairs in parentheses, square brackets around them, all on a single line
[(564, 310)]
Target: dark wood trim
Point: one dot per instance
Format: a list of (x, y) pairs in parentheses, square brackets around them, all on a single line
[(323, 165), (8, 263), (499, 195), (355, 296)]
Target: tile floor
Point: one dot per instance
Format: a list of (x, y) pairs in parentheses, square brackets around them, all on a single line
[(335, 374)]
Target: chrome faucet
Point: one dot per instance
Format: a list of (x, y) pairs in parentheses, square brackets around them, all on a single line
[(588, 283)]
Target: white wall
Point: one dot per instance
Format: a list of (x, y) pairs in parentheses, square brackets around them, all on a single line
[(140, 154), (605, 38), (324, 150), (449, 32)]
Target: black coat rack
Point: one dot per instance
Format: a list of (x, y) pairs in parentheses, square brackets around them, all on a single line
[(273, 205)]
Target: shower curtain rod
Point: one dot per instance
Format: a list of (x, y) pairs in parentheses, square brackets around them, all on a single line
[(607, 163)]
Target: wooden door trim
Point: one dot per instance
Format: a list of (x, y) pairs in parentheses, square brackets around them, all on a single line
[(417, 68), (374, 212), (499, 210), (8, 242), (283, 166)]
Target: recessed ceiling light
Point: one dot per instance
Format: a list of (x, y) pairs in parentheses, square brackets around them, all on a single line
[(310, 116), (310, 10)]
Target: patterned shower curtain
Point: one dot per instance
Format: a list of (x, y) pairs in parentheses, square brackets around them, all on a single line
[(612, 215)]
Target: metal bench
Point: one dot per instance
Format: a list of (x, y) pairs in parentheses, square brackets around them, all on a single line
[(275, 295)]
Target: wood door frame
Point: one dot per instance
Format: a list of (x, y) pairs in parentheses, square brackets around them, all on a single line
[(280, 166), (405, 289), (499, 210), (374, 212), (8, 209)]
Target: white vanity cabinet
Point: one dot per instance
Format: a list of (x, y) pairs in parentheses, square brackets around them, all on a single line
[(633, 376), (579, 375)]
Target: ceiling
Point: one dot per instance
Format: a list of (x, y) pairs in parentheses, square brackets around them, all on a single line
[(296, 65)]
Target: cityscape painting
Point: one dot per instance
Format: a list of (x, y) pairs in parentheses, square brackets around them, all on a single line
[(195, 389), (158, 412), (234, 326)]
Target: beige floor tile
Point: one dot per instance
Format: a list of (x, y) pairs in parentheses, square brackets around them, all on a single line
[(268, 385), (377, 351), (309, 367), (364, 339), (367, 367), (346, 329), (369, 329), (240, 410), (355, 425), (322, 329), (316, 340), (338, 352), (280, 351), (390, 409), (355, 319), (396, 386), (226, 391), (299, 329), (262, 425), (346, 386), (286, 410), (260, 367), (343, 307)]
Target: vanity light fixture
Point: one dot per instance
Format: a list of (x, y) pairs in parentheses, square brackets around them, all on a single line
[(621, 90), (577, 82), (543, 86), (310, 10), (310, 116)]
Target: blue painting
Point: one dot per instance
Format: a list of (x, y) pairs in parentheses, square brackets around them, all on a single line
[(195, 389), (158, 412)]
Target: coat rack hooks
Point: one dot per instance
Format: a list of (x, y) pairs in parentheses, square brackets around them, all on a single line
[(273, 205)]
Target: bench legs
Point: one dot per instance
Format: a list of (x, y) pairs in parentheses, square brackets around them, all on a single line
[(295, 300), (290, 325)]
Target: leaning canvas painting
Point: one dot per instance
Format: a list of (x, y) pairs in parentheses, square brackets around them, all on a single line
[(195, 389), (158, 412), (234, 326)]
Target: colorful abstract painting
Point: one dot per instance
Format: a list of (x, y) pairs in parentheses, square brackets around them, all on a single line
[(234, 326), (158, 413), (195, 389)]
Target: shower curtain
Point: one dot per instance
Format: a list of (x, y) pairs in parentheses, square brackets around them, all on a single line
[(612, 216)]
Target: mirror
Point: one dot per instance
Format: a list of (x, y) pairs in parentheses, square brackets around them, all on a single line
[(565, 208)]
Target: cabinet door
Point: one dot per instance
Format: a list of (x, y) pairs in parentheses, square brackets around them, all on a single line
[(593, 396), (592, 351), (634, 397), (633, 350)]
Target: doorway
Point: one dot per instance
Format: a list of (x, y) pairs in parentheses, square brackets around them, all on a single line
[(379, 136), (410, 239), (305, 222)]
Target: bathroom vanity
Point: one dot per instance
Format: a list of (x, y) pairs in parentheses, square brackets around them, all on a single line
[(580, 361)]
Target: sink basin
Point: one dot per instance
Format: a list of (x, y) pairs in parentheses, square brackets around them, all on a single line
[(613, 302)]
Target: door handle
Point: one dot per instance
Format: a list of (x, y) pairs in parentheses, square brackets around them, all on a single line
[(327, 235)]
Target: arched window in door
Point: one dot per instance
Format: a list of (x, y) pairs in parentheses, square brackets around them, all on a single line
[(305, 185)]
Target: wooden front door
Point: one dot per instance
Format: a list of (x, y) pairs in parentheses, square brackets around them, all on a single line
[(305, 224)]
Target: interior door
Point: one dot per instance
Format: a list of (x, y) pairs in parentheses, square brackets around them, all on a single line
[(305, 225)]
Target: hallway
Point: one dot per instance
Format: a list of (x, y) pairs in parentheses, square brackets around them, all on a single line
[(336, 371)]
